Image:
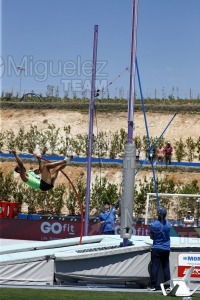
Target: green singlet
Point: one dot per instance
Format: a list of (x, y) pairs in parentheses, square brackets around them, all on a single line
[(33, 180)]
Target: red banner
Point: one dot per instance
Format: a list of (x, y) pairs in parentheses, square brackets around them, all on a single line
[(44, 229), (182, 271)]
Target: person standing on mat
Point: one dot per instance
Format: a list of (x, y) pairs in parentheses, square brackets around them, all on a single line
[(160, 252)]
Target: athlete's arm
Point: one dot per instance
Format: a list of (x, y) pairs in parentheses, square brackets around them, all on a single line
[(39, 170), (19, 161)]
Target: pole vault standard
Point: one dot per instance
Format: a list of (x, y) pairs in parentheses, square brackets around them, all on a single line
[(91, 119), (128, 181)]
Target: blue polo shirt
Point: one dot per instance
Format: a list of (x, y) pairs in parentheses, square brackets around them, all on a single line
[(161, 231), (109, 218)]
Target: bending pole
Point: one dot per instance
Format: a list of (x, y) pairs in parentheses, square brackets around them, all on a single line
[(128, 180), (91, 119)]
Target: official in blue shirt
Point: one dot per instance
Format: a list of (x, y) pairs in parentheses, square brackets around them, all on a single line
[(107, 219), (160, 234)]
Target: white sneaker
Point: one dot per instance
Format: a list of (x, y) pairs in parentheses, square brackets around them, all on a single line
[(66, 159), (151, 289)]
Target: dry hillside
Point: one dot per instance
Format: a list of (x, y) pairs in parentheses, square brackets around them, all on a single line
[(183, 126)]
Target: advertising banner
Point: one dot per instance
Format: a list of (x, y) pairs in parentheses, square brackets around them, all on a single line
[(186, 261), (44, 230), (54, 228)]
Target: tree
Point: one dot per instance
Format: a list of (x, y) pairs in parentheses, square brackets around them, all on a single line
[(180, 150), (80, 144), (198, 148), (2, 137), (8, 186), (100, 144), (52, 135), (50, 89), (191, 145), (55, 199), (65, 141), (187, 203), (32, 138), (101, 191), (141, 195), (10, 139), (57, 92), (20, 139), (43, 143), (72, 201)]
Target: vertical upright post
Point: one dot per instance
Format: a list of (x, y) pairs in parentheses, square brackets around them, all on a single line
[(91, 118), (20, 68), (129, 155), (132, 70), (147, 209), (20, 83), (198, 201)]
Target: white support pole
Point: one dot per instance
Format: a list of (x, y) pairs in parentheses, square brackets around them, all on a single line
[(147, 209)]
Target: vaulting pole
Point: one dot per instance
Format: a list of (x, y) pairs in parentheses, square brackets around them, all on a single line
[(91, 121), (128, 181)]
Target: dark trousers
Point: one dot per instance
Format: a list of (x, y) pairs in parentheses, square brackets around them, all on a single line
[(159, 256), (168, 159)]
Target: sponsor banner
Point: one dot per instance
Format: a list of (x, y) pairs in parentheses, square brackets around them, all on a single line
[(45, 229), (182, 271), (39, 230), (187, 260), (191, 232)]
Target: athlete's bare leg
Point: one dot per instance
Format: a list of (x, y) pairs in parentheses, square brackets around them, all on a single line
[(46, 174), (54, 173)]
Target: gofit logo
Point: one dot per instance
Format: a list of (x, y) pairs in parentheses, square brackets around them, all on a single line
[(56, 228), (135, 230)]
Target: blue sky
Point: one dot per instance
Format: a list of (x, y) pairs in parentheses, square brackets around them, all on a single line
[(53, 40)]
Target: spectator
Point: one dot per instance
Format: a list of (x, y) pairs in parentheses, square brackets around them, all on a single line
[(107, 218), (168, 153), (189, 219), (151, 152), (161, 153), (137, 153), (160, 234)]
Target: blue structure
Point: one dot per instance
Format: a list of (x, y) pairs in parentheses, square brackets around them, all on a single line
[(119, 161)]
